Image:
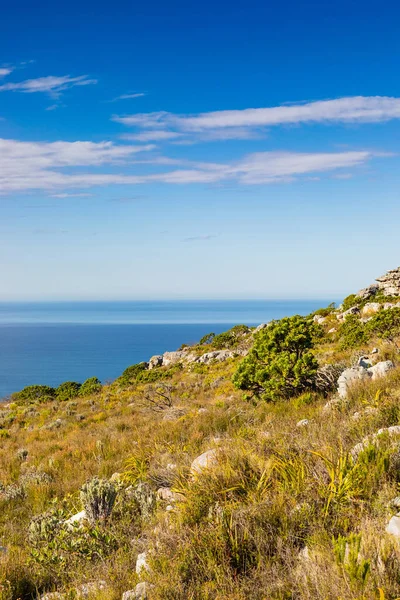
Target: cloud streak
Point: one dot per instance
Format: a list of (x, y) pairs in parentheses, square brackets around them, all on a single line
[(50, 84), (65, 168), (253, 122)]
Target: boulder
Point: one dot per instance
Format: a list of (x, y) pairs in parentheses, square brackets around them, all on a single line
[(319, 319), (204, 461), (369, 291), (354, 310), (381, 369), (349, 377), (53, 596), (155, 361), (218, 355), (171, 358), (392, 431), (141, 563), (371, 308), (393, 527)]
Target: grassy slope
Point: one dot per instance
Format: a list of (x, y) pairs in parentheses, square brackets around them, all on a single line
[(285, 513)]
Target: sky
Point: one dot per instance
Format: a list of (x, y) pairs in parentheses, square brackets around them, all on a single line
[(198, 150)]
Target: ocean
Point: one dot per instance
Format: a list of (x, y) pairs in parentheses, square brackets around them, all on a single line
[(48, 343)]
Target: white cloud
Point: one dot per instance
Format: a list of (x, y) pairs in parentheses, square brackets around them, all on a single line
[(252, 122), (62, 166), (128, 96), (4, 71), (64, 195), (50, 84), (150, 136)]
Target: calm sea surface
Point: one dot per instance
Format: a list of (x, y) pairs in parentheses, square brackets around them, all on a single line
[(48, 343)]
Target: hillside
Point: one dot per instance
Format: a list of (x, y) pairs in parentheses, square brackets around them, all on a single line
[(258, 464)]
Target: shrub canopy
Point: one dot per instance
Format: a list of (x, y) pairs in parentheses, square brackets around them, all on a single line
[(281, 363)]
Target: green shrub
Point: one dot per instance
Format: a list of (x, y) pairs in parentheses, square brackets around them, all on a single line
[(385, 324), (130, 375), (207, 339), (325, 312), (281, 363), (68, 390), (90, 386), (230, 338), (35, 393), (352, 333), (350, 301)]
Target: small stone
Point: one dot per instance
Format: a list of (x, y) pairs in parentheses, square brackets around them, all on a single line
[(302, 423), (142, 564), (168, 495), (393, 527), (333, 330), (374, 351), (395, 502), (89, 589)]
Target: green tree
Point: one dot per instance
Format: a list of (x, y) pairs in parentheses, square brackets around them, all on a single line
[(281, 362), (385, 324), (35, 393)]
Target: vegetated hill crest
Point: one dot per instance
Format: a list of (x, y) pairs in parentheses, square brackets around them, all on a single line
[(260, 463)]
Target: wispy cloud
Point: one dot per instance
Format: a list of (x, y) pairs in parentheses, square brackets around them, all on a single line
[(128, 96), (252, 122), (200, 238), (153, 135), (4, 71), (75, 166), (66, 195), (50, 84)]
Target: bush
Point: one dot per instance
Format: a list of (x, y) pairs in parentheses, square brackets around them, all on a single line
[(230, 338), (350, 301), (98, 498), (325, 312), (352, 333), (207, 339), (68, 390), (130, 375), (281, 363), (35, 393), (90, 386), (385, 324)]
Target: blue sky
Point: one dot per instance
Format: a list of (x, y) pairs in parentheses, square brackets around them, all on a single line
[(174, 150)]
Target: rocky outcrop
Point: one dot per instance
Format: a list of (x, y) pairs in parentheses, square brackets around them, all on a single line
[(218, 355), (139, 593), (389, 283), (361, 373), (142, 564), (349, 377), (155, 361)]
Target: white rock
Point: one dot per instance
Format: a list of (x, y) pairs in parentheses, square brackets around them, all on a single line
[(333, 330), (388, 305), (168, 495), (381, 369), (319, 319), (142, 564), (139, 593), (201, 411), (89, 589), (218, 355), (53, 596), (349, 377), (204, 461), (170, 358), (155, 361), (371, 308), (374, 351), (76, 519), (302, 423), (393, 526), (354, 310)]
